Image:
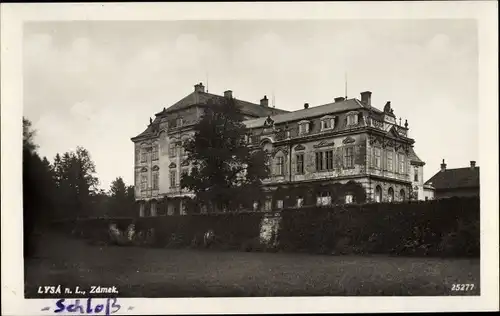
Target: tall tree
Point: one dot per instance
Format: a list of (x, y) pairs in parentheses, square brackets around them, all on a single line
[(29, 136), (118, 195), (227, 173), (38, 184), (76, 182)]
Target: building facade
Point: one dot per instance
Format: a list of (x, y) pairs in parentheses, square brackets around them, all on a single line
[(347, 151)]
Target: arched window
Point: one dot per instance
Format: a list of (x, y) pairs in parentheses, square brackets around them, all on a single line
[(390, 193), (402, 196), (378, 194)]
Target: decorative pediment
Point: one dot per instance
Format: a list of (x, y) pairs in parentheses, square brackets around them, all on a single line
[(172, 165), (393, 132), (348, 140), (402, 146), (389, 143), (185, 162), (299, 147), (144, 169), (155, 168), (275, 151), (324, 143)]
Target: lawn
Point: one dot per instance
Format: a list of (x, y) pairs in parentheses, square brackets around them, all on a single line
[(145, 272)]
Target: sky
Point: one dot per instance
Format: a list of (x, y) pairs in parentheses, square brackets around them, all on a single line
[(95, 84)]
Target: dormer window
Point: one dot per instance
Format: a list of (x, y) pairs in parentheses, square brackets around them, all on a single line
[(303, 127), (179, 122), (352, 118), (327, 123)]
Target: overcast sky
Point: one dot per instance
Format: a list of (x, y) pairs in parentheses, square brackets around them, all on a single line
[(95, 84)]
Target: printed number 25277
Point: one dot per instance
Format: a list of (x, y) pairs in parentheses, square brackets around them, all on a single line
[(462, 287)]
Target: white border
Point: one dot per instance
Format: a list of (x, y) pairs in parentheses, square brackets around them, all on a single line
[(485, 12)]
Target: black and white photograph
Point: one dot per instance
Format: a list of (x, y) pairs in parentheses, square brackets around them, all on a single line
[(240, 152)]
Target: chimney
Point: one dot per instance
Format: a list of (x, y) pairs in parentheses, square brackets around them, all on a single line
[(443, 166), (264, 101), (228, 94), (472, 164), (366, 98), (199, 87), (306, 105), (339, 99)]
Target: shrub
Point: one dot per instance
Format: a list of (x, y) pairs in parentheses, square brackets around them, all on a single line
[(447, 227)]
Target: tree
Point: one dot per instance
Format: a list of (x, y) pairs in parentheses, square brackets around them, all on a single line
[(38, 190), (122, 198), (227, 173), (76, 182), (29, 136)]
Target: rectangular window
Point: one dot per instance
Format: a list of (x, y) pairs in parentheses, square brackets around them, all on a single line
[(154, 154), (324, 199), (327, 124), (319, 161), (415, 175), (300, 201), (349, 157), (303, 128), (329, 160), (268, 205), (300, 163), (401, 162), (144, 182), (155, 181), (178, 122), (389, 161), (173, 179), (279, 204), (172, 149), (376, 157), (324, 160), (352, 119), (279, 166), (144, 156), (348, 199)]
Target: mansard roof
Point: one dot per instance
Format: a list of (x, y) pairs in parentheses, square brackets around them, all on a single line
[(414, 158), (330, 108), (202, 98)]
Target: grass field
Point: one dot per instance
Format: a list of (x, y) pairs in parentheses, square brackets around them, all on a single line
[(143, 272)]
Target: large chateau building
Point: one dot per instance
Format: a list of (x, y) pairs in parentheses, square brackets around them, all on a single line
[(341, 152)]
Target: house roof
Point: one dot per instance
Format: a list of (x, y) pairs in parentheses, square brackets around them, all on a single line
[(198, 97), (201, 98), (414, 158), (335, 107), (455, 178)]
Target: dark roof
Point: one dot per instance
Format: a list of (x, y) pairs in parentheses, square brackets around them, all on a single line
[(149, 130), (198, 97), (335, 107), (201, 98), (414, 158), (455, 178)]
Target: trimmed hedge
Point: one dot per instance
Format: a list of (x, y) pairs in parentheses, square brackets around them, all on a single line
[(447, 228), (438, 228), (232, 230)]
